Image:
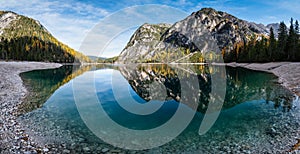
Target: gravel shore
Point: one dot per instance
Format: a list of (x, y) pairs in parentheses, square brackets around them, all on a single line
[(13, 138)]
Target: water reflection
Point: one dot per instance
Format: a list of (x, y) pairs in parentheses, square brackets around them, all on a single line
[(248, 116), (148, 81), (245, 85), (43, 83), (242, 85)]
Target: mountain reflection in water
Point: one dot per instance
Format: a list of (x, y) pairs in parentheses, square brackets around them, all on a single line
[(242, 85)]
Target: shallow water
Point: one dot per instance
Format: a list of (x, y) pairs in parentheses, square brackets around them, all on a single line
[(254, 105)]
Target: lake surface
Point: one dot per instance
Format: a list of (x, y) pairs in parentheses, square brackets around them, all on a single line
[(254, 110)]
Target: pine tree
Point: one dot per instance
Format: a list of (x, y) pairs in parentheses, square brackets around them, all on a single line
[(252, 49), (291, 42), (272, 45), (263, 50), (297, 53), (297, 27), (282, 42)]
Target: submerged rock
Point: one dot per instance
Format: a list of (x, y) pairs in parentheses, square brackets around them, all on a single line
[(105, 150)]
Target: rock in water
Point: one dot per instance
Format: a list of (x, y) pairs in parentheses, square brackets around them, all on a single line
[(45, 150), (86, 149), (105, 150)]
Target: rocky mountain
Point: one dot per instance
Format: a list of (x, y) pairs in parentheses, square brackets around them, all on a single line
[(275, 27), (142, 42), (95, 58), (202, 32), (6, 19), (23, 38)]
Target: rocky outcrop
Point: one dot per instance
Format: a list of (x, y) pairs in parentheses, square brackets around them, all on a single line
[(6, 19), (203, 31), (143, 40), (209, 26)]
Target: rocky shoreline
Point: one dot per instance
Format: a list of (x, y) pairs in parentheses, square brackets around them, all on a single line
[(13, 138), (288, 73)]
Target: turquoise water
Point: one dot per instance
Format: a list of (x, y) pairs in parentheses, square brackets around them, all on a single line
[(253, 104)]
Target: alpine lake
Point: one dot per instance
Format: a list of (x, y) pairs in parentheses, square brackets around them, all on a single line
[(246, 111)]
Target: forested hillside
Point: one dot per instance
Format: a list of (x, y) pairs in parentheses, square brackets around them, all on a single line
[(23, 38), (268, 48)]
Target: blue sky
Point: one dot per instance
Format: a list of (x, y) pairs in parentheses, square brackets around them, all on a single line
[(71, 20)]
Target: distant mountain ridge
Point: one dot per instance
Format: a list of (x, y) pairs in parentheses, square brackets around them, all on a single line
[(95, 58), (23, 38), (200, 33), (275, 27)]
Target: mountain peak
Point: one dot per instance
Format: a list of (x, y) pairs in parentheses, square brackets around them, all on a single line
[(5, 12), (203, 31), (207, 11), (6, 17)]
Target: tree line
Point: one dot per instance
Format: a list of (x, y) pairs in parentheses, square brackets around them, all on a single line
[(33, 49), (262, 48)]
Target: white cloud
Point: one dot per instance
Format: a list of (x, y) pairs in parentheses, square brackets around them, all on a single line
[(112, 26)]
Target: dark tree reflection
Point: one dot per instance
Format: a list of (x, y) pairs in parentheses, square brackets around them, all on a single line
[(242, 85)]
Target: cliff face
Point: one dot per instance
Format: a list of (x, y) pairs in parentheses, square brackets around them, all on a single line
[(203, 31), (23, 38), (5, 19), (142, 42)]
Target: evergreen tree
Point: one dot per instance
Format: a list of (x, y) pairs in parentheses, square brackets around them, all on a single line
[(282, 42), (272, 45), (291, 42), (297, 27), (251, 49), (263, 50), (297, 53)]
